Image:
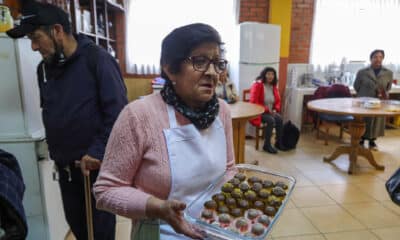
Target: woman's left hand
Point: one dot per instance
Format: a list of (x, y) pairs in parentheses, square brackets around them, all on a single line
[(171, 211)]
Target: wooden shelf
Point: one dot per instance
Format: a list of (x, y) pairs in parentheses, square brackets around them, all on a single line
[(109, 11), (101, 37), (114, 6)]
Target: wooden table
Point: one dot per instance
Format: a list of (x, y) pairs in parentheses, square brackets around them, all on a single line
[(348, 106), (241, 112)]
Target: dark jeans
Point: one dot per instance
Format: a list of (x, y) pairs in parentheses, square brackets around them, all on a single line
[(272, 121), (73, 197)]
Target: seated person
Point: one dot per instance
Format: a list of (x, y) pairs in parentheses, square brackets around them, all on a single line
[(225, 88), (264, 92)]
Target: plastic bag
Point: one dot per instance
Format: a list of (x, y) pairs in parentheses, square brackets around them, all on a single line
[(393, 187)]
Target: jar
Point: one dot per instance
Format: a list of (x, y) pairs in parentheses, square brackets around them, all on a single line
[(6, 21)]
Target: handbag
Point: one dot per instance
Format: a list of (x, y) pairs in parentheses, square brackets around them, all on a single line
[(393, 187)]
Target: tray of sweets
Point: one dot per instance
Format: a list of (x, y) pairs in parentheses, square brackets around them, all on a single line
[(242, 205)]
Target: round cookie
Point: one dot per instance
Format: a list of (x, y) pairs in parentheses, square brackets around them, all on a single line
[(264, 219), (240, 176), (257, 229), (211, 204)]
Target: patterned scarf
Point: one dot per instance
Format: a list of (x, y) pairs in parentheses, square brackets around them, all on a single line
[(202, 118)]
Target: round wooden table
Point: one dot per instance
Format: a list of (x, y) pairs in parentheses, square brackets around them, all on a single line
[(351, 106), (241, 112)]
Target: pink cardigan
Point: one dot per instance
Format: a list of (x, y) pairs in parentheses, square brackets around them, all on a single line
[(136, 163)]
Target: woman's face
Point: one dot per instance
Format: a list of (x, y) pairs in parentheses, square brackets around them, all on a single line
[(194, 87), (269, 76)]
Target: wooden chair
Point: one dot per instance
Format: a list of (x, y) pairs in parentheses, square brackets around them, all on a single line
[(259, 129)]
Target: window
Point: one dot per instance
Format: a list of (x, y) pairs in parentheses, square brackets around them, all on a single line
[(351, 29), (149, 21)]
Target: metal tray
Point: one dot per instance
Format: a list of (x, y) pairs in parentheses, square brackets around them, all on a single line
[(194, 209)]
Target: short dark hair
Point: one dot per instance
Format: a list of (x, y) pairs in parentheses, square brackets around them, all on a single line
[(262, 74), (178, 44), (375, 52)]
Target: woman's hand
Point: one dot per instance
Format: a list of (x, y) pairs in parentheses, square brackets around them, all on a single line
[(171, 211)]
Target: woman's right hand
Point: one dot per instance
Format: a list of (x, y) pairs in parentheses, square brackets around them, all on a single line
[(171, 211)]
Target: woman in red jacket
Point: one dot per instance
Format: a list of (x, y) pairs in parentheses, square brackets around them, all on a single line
[(264, 92)]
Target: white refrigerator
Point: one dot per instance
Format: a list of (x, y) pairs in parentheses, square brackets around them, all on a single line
[(22, 134), (258, 46)]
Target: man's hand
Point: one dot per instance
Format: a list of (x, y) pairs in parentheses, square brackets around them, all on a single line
[(88, 163)]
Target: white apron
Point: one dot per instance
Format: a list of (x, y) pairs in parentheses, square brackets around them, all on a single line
[(196, 158)]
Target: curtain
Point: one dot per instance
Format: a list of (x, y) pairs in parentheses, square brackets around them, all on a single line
[(149, 21), (349, 30)]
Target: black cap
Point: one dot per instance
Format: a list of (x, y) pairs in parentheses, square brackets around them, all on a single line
[(37, 14)]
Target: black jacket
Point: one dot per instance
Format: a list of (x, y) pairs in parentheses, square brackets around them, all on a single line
[(12, 188), (80, 101)]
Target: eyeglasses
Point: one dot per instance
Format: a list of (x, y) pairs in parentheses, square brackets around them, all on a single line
[(202, 63)]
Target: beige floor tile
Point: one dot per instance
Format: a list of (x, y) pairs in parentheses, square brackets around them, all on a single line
[(391, 206), (332, 219), (290, 205), (292, 223), (346, 193), (310, 197), (374, 189), (357, 235), (303, 237), (363, 177), (373, 215), (328, 176), (387, 233)]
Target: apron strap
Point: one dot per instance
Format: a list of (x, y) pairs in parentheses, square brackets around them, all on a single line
[(171, 116)]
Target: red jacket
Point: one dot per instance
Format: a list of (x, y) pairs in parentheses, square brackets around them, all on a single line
[(257, 97)]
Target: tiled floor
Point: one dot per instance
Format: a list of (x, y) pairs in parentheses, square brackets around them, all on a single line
[(327, 203)]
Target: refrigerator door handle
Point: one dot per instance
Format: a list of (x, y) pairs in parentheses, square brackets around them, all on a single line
[(41, 150)]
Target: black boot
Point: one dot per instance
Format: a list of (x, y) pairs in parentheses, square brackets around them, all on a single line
[(278, 134), (267, 141), (269, 148), (372, 145), (362, 141)]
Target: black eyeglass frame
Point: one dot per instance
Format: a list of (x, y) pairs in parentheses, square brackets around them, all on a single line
[(216, 63)]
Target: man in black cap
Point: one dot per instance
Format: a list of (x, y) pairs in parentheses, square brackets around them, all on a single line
[(81, 95)]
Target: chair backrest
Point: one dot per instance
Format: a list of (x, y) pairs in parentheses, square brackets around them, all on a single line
[(332, 91), (320, 92), (338, 91), (246, 95)]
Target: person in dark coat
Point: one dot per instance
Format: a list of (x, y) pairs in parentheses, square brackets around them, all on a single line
[(374, 81), (82, 92), (12, 214)]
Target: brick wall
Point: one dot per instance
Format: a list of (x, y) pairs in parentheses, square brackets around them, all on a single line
[(300, 37), (254, 10)]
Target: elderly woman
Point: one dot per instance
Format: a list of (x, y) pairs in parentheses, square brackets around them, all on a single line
[(226, 89), (264, 92), (374, 81), (158, 156)]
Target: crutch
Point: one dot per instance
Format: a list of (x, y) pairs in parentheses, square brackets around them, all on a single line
[(88, 205)]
